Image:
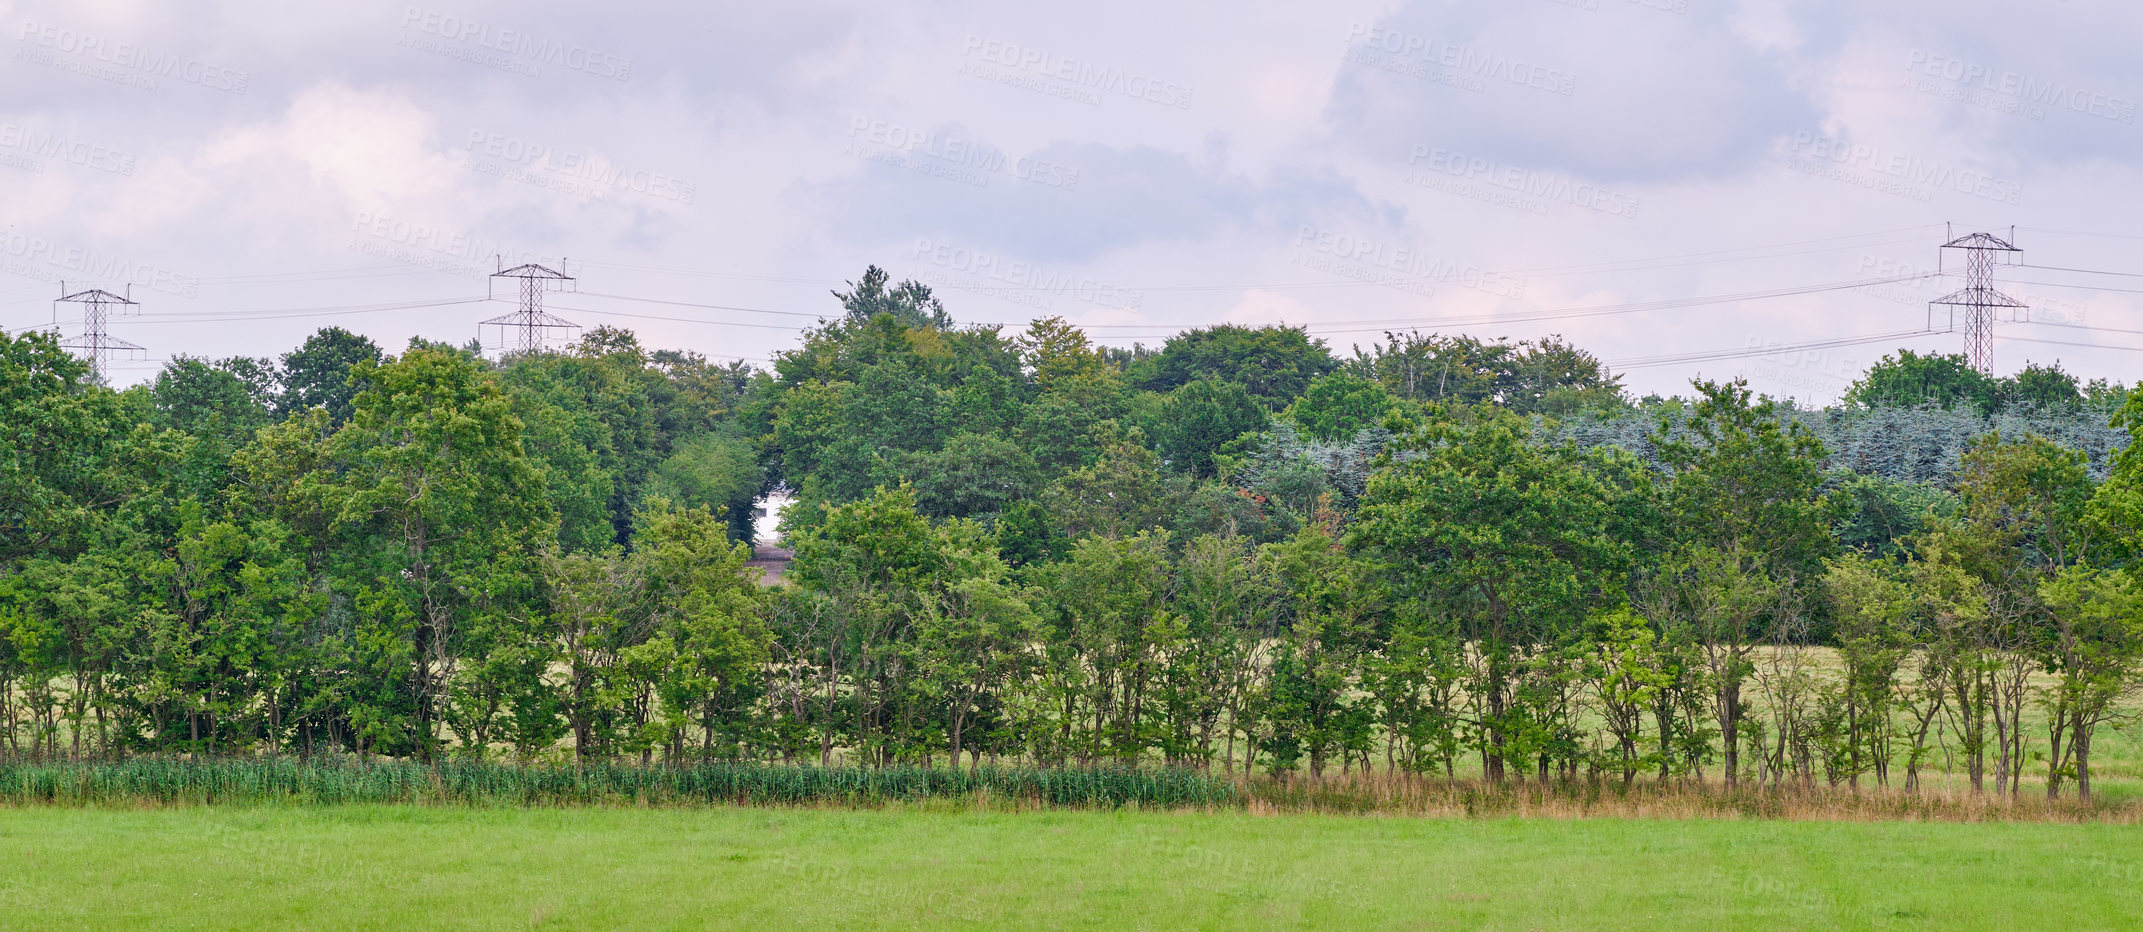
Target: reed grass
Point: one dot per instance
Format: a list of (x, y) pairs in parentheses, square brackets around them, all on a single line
[(179, 782)]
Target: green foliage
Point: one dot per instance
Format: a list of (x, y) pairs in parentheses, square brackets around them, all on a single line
[(1882, 516), (1027, 535), (717, 470), (973, 475), (2044, 387), (1272, 363), (63, 462), (1911, 380), (2117, 506), (1070, 422), (1057, 352), (317, 374), (429, 501), (1547, 376), (1121, 494), (1746, 476), (910, 303), (1338, 406), (1515, 541), (1196, 421)]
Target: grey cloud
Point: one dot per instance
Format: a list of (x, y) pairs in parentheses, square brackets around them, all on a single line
[(1067, 201), (1625, 94)]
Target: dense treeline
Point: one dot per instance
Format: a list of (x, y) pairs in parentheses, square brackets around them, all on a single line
[(1237, 552)]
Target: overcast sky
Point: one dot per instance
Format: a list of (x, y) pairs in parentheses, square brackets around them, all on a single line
[(1649, 178)]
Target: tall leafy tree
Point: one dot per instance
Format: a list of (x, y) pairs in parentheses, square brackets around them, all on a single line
[(1339, 406), (216, 408), (707, 657), (1511, 538), (1197, 421), (1548, 376), (1755, 528), (1334, 610), (1114, 631), (434, 507), (1272, 363), (317, 373)]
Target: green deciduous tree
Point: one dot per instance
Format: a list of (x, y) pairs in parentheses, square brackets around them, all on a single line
[(317, 374), (432, 503), (1753, 530), (1509, 538), (1196, 421), (1272, 363)]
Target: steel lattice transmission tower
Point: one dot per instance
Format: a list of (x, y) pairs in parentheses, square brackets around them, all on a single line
[(95, 341), (523, 330), (1982, 251)]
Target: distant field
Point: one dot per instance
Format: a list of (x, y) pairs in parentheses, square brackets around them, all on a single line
[(426, 867)]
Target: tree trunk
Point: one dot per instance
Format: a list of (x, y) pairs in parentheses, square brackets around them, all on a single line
[(1730, 731), (1492, 749), (2083, 763)]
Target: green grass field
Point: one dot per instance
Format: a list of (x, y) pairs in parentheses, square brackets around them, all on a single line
[(593, 868)]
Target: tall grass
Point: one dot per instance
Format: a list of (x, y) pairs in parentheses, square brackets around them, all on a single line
[(322, 782), (1676, 799), (156, 781)]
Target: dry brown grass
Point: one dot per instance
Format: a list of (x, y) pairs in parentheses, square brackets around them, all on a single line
[(1380, 793)]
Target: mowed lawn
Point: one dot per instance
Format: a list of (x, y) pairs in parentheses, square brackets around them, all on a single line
[(419, 867)]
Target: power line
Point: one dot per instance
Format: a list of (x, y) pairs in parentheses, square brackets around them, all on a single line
[(2081, 233), (2026, 281), (2057, 268), (1599, 310), (713, 307), (1774, 349), (303, 312), (2103, 346), (684, 320), (1326, 327), (1634, 264)]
